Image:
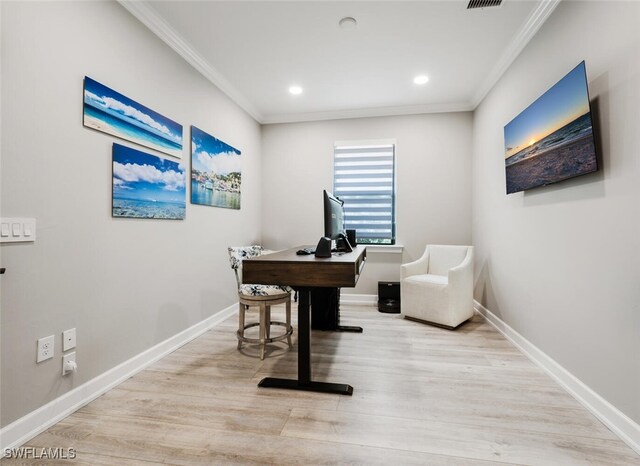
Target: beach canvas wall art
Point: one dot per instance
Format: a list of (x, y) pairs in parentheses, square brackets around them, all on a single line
[(110, 112), (552, 139), (215, 171), (147, 186)]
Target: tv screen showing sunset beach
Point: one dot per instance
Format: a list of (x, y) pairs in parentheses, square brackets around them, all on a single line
[(552, 139)]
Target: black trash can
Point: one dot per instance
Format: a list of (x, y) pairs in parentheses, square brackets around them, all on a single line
[(389, 297)]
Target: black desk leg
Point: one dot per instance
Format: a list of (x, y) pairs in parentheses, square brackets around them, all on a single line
[(304, 336), (304, 381), (346, 328)]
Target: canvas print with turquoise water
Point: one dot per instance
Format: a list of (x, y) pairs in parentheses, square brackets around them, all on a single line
[(215, 171), (110, 112), (147, 186)]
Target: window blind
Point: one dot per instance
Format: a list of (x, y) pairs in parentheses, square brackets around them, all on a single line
[(364, 178)]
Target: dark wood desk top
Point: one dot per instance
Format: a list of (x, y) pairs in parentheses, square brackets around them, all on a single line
[(287, 268)]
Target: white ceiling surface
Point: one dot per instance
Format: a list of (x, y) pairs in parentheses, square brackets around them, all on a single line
[(255, 50)]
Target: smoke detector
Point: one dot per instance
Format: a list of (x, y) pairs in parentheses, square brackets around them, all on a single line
[(348, 23)]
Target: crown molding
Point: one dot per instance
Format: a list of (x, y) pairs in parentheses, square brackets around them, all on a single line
[(368, 113), (534, 22), (148, 16)]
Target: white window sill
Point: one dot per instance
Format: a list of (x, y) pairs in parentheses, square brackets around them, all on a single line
[(385, 248)]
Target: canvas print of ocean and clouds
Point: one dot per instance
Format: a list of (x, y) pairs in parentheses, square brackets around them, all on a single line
[(552, 139), (147, 186), (111, 112), (215, 171)]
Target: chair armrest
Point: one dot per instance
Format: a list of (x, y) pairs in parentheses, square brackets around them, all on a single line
[(462, 274), (417, 267)]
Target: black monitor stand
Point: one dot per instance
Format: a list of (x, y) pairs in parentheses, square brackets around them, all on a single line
[(342, 244), (325, 311)]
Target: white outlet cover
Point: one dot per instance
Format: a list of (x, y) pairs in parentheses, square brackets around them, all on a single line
[(68, 339), (45, 349), (65, 359)]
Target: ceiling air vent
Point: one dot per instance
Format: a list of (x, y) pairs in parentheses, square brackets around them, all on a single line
[(482, 3)]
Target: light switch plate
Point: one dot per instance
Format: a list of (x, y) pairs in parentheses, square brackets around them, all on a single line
[(17, 230)]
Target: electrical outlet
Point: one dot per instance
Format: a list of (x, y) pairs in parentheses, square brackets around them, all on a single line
[(68, 339), (69, 363), (45, 349)]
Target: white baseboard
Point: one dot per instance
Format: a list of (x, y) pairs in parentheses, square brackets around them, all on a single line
[(27, 427), (358, 299), (618, 422)]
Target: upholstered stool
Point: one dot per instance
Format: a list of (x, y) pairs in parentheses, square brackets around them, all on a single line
[(263, 296)]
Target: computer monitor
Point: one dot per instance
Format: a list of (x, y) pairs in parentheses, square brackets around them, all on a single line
[(334, 222)]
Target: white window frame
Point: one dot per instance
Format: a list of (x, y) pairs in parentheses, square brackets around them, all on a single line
[(373, 143)]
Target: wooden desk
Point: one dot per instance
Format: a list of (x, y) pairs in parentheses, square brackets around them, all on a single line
[(304, 273)]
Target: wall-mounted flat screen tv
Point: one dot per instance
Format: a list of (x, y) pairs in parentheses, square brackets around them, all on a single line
[(552, 139)]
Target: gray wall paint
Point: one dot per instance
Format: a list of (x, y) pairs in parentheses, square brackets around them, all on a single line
[(560, 264), (125, 284), (433, 183)]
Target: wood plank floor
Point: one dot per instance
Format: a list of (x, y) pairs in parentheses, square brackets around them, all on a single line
[(422, 395)]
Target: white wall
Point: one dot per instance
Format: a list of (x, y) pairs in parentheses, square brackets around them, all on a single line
[(561, 264), (124, 284), (433, 183)]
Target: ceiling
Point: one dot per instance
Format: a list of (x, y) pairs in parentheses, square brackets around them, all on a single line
[(255, 50)]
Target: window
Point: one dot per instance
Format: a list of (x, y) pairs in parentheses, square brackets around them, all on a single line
[(364, 178)]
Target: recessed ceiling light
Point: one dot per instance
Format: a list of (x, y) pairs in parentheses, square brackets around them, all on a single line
[(422, 79), (348, 23), (295, 90)]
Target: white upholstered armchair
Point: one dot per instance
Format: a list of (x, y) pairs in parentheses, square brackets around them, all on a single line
[(438, 288)]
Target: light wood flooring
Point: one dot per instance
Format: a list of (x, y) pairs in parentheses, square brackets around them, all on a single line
[(422, 395)]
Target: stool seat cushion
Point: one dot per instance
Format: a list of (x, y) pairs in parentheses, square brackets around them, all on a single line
[(262, 290)]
